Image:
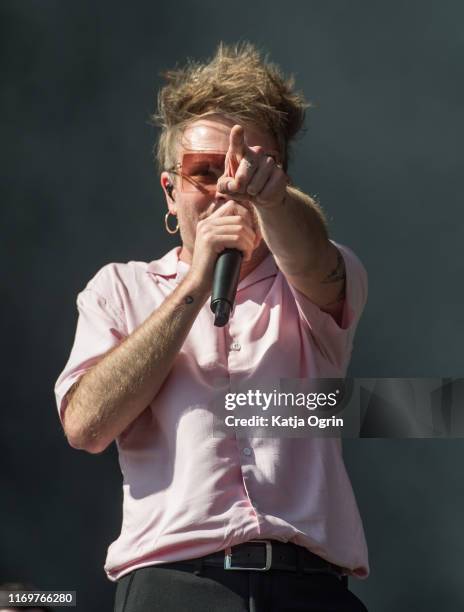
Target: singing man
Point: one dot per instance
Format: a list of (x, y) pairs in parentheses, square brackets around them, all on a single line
[(209, 522)]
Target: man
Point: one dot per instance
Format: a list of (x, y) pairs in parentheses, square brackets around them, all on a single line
[(146, 356)]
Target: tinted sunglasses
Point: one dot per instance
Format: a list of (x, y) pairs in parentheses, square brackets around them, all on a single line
[(200, 170)]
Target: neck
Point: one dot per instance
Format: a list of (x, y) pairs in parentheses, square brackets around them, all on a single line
[(259, 254)]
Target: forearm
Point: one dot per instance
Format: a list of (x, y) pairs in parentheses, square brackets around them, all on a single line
[(295, 231), (124, 382)]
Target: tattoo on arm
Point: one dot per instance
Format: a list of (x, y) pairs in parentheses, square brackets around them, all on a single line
[(179, 310), (337, 274)]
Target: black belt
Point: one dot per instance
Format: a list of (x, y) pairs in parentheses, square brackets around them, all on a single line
[(264, 555)]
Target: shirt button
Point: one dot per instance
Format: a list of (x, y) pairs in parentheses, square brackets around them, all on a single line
[(247, 451), (235, 346)]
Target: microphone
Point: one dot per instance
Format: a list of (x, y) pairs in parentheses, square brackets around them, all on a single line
[(226, 275)]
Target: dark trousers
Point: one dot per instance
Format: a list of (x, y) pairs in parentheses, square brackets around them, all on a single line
[(164, 589)]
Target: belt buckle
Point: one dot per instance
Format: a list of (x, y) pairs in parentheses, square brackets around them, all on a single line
[(228, 558)]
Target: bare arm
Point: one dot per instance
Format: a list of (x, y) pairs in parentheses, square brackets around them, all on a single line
[(292, 224), (296, 233), (123, 383)]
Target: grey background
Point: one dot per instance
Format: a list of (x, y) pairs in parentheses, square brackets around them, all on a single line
[(383, 153)]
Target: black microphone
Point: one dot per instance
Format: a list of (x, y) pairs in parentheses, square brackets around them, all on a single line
[(226, 275)]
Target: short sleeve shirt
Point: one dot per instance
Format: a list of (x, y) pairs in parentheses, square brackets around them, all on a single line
[(187, 493)]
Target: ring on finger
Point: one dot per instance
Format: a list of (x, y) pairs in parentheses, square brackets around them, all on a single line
[(273, 157), (277, 164)]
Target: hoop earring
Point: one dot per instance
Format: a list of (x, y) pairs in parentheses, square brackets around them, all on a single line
[(166, 224)]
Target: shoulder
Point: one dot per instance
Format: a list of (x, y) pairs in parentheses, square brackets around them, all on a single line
[(116, 285), (349, 254), (118, 273), (133, 273)]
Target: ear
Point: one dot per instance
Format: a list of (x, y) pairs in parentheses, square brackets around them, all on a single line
[(165, 181)]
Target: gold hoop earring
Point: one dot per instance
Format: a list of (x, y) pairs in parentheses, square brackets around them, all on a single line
[(166, 224)]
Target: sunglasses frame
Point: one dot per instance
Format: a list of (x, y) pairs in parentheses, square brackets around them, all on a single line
[(177, 169)]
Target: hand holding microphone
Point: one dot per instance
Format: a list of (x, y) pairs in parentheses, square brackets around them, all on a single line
[(251, 175), (229, 261), (229, 226)]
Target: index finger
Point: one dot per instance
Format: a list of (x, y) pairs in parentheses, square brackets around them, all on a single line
[(237, 143), (236, 151)]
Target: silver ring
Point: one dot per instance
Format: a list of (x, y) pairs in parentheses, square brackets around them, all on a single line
[(275, 161), (249, 164)]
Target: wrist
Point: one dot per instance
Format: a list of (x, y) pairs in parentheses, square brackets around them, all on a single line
[(197, 285), (272, 208)]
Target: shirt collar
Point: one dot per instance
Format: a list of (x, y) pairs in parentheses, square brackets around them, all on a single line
[(170, 266)]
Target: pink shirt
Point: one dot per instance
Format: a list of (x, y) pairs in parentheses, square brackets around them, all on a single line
[(188, 493)]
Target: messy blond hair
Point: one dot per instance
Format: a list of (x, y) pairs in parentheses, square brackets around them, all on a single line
[(236, 82)]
